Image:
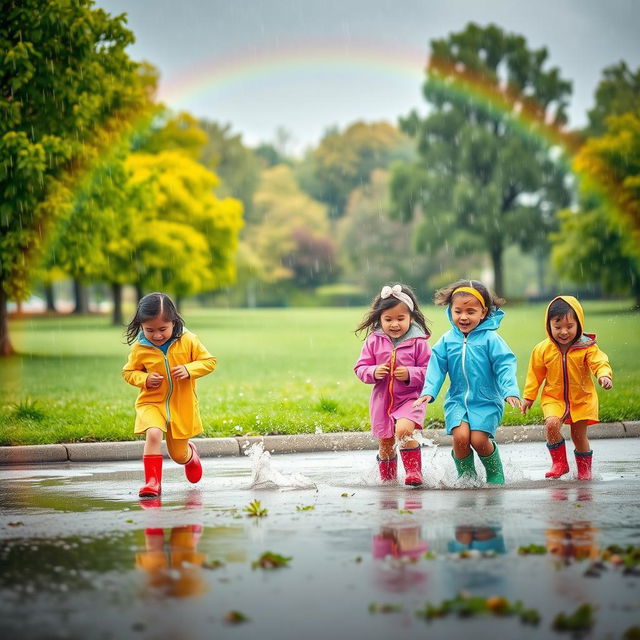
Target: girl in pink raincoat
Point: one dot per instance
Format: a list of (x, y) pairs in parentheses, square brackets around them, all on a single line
[(394, 359)]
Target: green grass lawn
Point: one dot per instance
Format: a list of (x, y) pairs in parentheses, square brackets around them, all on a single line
[(279, 371)]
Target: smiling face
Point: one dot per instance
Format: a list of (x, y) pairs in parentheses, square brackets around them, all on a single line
[(467, 312), (395, 321), (564, 329), (157, 330)]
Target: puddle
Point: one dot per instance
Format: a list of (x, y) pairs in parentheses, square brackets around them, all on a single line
[(83, 557)]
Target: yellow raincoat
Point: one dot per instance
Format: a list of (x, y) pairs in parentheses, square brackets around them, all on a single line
[(174, 404), (569, 392)]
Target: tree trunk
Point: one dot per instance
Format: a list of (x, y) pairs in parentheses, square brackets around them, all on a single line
[(5, 344), (116, 294), (81, 295), (498, 274), (178, 303), (139, 292), (50, 297)]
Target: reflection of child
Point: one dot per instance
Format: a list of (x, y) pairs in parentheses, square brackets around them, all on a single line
[(399, 541), (478, 539), (482, 371), (164, 362), (393, 359), (176, 570), (564, 361), (576, 540)]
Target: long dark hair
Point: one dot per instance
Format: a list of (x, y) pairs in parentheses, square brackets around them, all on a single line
[(371, 321), (150, 307)]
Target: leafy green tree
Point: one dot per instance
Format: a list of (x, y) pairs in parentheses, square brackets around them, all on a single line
[(235, 164), (599, 241), (344, 161), (617, 93), (482, 181), (67, 88), (375, 249), (291, 224)]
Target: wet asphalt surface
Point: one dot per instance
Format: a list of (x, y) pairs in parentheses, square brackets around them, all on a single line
[(82, 557)]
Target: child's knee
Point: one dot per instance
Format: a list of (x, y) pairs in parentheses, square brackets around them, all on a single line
[(179, 451), (479, 439), (153, 435), (553, 425)]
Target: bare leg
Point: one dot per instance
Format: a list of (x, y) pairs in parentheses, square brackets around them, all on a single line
[(461, 440), (579, 436), (481, 442), (385, 451), (404, 433), (153, 440), (553, 425)]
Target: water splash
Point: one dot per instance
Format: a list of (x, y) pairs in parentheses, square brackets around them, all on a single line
[(264, 476)]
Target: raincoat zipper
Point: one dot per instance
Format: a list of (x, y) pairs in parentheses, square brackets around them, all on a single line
[(464, 373), (391, 379), (565, 379), (166, 365)]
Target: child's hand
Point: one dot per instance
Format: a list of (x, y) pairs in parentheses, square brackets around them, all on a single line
[(180, 372), (381, 371), (525, 405), (421, 400), (514, 402), (605, 382), (154, 380), (401, 373)]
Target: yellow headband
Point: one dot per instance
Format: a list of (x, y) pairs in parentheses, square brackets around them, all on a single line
[(474, 292)]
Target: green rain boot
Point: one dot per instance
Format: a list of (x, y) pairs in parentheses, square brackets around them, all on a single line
[(465, 466), (493, 465)]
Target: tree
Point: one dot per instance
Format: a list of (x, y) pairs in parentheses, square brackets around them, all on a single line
[(484, 178), (193, 219), (618, 92), (376, 249), (236, 165), (290, 224), (344, 161), (67, 89), (599, 241)]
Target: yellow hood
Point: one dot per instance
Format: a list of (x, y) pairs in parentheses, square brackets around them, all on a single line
[(577, 309)]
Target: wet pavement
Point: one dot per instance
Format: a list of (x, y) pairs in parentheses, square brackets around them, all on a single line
[(82, 557)]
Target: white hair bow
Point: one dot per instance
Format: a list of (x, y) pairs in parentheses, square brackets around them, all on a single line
[(397, 292)]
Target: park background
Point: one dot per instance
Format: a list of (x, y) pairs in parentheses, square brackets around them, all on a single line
[(271, 166)]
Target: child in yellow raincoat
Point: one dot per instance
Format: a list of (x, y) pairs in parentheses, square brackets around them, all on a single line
[(164, 362), (565, 361)]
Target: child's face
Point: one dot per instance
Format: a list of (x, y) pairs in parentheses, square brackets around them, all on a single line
[(158, 330), (564, 329), (395, 322), (467, 312)]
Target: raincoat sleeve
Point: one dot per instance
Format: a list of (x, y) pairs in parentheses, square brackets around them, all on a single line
[(202, 362), (598, 362), (134, 372), (503, 363), (536, 373), (417, 372), (366, 365), (436, 370)]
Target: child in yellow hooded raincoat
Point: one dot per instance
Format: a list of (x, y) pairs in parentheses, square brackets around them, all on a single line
[(565, 362), (164, 362)]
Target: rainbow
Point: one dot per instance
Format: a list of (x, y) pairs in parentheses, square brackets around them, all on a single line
[(286, 63)]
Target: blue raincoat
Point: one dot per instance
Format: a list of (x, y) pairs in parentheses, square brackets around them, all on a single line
[(482, 373)]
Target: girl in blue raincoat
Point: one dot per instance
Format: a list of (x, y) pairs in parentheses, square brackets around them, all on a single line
[(482, 373)]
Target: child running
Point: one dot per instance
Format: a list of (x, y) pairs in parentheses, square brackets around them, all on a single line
[(565, 361), (164, 362), (393, 359), (482, 373)]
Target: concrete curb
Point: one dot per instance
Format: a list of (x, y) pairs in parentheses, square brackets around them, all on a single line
[(301, 443)]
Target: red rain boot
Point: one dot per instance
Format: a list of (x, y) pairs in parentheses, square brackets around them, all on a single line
[(412, 461), (388, 469), (152, 476), (560, 466), (193, 468), (583, 461)]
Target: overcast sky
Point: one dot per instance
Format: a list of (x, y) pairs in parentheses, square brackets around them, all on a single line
[(308, 64)]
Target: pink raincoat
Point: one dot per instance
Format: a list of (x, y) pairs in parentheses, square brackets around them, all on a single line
[(392, 399)]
